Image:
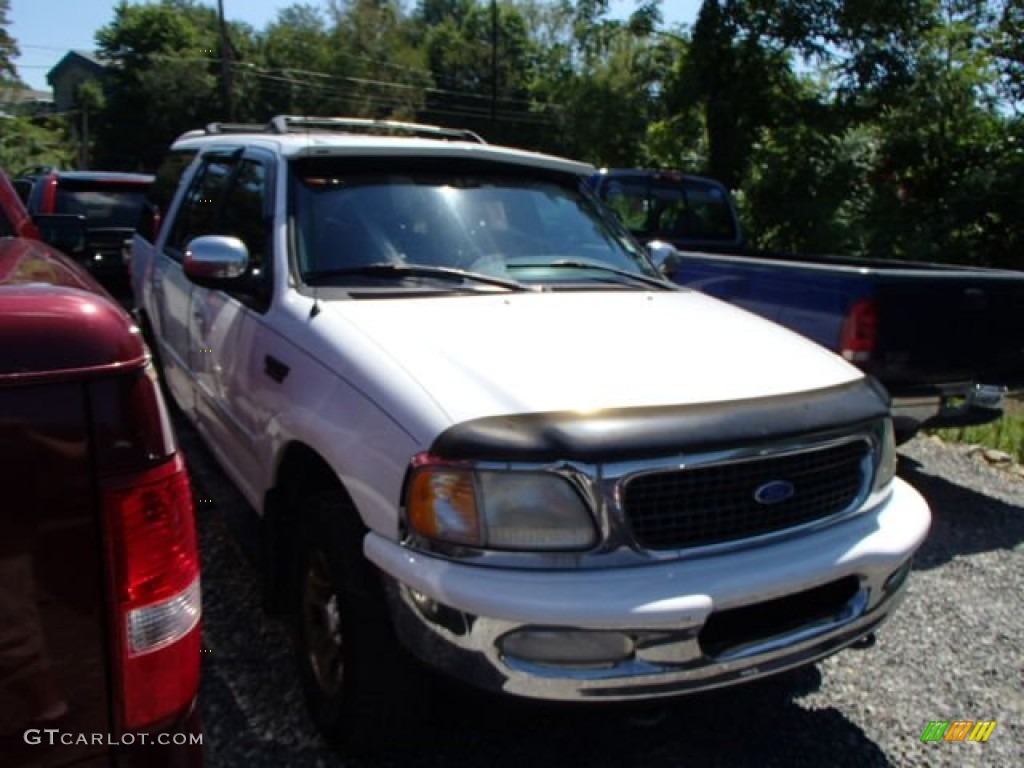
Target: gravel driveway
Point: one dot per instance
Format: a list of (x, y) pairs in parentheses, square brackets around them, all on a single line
[(955, 650)]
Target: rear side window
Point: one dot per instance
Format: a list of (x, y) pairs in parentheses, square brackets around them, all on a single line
[(653, 207), (709, 215)]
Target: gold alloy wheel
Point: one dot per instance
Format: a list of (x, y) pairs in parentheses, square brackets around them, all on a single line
[(322, 625)]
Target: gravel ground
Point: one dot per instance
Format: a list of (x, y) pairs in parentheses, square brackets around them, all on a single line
[(955, 650)]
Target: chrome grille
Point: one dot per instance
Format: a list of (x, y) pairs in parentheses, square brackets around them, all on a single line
[(714, 504)]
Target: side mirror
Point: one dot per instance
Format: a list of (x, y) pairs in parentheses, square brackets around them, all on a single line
[(64, 231), (216, 261), (665, 257)]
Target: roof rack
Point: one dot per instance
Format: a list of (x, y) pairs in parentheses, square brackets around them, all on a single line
[(214, 128), (294, 124), (283, 124)]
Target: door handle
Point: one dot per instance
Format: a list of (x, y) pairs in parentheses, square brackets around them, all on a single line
[(275, 369)]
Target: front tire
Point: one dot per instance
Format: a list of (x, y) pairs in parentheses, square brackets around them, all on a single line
[(361, 688)]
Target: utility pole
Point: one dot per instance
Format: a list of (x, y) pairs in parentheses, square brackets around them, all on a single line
[(494, 64), (227, 55)]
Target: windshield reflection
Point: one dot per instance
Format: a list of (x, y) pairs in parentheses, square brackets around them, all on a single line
[(493, 224)]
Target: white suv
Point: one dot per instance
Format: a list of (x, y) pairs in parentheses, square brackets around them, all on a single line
[(474, 420)]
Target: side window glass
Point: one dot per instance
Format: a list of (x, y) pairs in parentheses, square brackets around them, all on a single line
[(161, 193), (199, 209), (629, 201), (243, 215)]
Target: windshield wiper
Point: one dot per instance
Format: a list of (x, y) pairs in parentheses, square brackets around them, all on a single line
[(387, 269), (580, 264)]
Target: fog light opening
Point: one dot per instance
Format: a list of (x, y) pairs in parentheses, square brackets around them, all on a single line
[(580, 649)]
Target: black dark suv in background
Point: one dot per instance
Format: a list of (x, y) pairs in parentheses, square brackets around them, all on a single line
[(111, 204)]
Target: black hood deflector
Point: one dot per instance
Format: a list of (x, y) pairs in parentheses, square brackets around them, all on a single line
[(633, 433)]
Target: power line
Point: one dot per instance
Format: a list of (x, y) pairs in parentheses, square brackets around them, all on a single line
[(384, 101), (283, 77), (424, 73), (425, 91), (285, 72), (44, 47)]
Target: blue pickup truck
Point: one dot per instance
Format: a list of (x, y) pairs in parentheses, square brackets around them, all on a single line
[(946, 341)]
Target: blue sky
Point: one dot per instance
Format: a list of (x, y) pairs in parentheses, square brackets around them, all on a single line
[(47, 29)]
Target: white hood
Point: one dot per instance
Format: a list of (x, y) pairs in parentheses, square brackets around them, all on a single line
[(503, 353)]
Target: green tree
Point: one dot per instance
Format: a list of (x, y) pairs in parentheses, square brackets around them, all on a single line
[(481, 61), (809, 185), (597, 80), (945, 145), (8, 47), (297, 54), (1008, 47), (26, 142), (383, 73), (738, 69), (89, 102), (165, 79)]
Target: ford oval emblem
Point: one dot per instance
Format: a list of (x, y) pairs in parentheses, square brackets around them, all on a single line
[(773, 492)]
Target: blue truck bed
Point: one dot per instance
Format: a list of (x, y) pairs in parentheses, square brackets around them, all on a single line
[(943, 339)]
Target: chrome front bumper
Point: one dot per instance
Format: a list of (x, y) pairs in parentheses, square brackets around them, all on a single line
[(457, 617)]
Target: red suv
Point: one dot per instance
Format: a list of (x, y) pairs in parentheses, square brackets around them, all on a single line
[(111, 204), (99, 564)]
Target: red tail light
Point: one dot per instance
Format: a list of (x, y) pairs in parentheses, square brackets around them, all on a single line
[(155, 587), (860, 332), (49, 202)]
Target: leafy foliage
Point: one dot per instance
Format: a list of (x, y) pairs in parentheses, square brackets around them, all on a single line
[(8, 47), (27, 142), (856, 126), (163, 79)]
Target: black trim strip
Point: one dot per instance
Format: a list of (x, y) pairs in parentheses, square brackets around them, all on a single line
[(632, 433)]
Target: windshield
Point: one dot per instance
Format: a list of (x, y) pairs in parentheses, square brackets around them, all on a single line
[(352, 216), (103, 204)]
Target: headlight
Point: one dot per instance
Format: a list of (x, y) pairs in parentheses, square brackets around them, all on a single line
[(442, 505), (497, 509), (885, 470)]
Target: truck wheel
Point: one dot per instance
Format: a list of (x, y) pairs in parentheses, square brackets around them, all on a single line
[(361, 688)]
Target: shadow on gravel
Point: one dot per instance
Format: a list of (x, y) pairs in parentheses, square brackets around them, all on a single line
[(757, 725), (964, 521), (760, 725)]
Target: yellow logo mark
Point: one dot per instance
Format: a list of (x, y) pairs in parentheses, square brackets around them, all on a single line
[(982, 730)]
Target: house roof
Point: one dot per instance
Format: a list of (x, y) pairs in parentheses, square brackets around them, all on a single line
[(85, 59)]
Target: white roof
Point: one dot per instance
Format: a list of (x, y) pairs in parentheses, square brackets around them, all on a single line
[(330, 143)]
